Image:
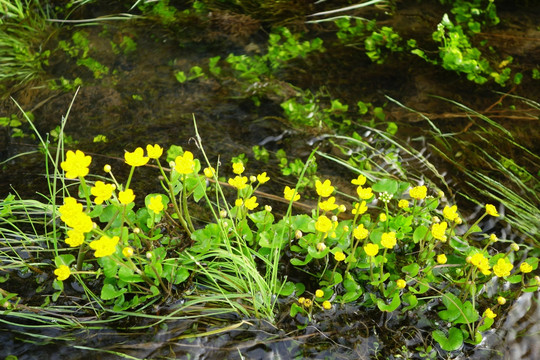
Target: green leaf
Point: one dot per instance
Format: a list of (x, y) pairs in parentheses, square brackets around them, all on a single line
[(411, 269), (453, 305), (299, 289), (109, 266), (180, 77), (353, 289), (411, 300), (109, 292), (420, 233), (295, 309), (65, 259), (298, 262), (514, 279), (287, 289), (486, 325), (303, 223), (450, 343), (128, 276), (388, 185), (389, 307)]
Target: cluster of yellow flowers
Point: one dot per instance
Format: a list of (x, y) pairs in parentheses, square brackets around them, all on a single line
[(73, 215), (76, 165)]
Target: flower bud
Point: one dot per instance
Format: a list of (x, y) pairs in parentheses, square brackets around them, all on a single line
[(501, 300), (136, 230), (321, 246), (298, 234), (252, 178), (149, 255), (342, 208), (268, 208), (334, 218), (107, 168), (493, 238), (436, 219), (127, 251), (327, 305), (223, 213), (514, 247)]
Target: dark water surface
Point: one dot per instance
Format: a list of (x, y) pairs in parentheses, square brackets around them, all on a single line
[(230, 124)]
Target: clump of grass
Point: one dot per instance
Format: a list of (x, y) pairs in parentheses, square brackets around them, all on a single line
[(23, 34)]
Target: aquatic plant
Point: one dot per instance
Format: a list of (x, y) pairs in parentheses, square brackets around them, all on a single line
[(23, 33)]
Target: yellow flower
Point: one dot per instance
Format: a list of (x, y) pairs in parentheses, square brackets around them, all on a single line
[(450, 212), (339, 256), (75, 238), (154, 152), (493, 238), (382, 217), (262, 178), (323, 224), (76, 164), (301, 300), (525, 268), (401, 283), (105, 246), (388, 240), (364, 193), (359, 209), (308, 302), (481, 262), (70, 208), (329, 204), (371, 249), (127, 251), (327, 305), (136, 158), (490, 314), (239, 182), (184, 163), (403, 204), (360, 232), (438, 230), (324, 189), (319, 293), (441, 259), (359, 181), (251, 203), (126, 197), (501, 300), (502, 268), (62, 272), (209, 172), (238, 168), (102, 191), (491, 210), (155, 204), (288, 194), (418, 192), (238, 202), (81, 222)]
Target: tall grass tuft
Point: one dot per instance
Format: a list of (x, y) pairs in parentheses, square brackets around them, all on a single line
[(23, 35)]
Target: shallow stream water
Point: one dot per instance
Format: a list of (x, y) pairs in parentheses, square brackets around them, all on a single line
[(140, 102)]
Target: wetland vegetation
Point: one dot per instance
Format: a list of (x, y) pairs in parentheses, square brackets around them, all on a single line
[(263, 179)]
